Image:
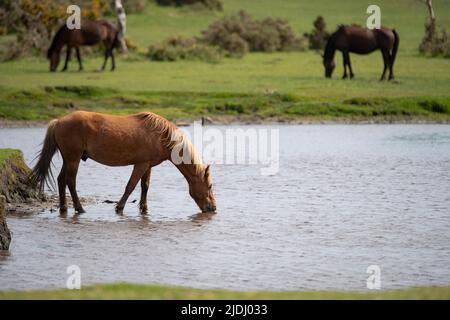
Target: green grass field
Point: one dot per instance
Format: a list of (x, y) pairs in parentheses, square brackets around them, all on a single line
[(131, 291), (281, 85)]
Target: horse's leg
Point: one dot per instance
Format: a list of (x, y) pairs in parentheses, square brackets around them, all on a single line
[(138, 171), (71, 176), (391, 66), (106, 59), (344, 59), (80, 64), (352, 75), (69, 49), (386, 62), (145, 184), (62, 190), (113, 60)]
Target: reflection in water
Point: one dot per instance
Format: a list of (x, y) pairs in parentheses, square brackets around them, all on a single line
[(345, 197)]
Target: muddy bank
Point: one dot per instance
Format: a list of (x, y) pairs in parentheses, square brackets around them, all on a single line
[(256, 120), (14, 182), (5, 234)]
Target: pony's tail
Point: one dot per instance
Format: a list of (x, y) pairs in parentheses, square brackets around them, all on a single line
[(396, 44), (42, 173)]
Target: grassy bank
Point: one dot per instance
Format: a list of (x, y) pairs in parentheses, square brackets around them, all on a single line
[(14, 173), (286, 85), (130, 291), (50, 102)]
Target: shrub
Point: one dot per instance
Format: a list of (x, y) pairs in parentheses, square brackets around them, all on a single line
[(240, 33), (33, 22), (209, 4), (435, 43), (178, 48), (134, 6), (319, 36)]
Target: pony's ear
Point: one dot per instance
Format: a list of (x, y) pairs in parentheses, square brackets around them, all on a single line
[(207, 171)]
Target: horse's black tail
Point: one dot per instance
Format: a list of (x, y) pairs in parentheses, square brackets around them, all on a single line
[(42, 172), (396, 44)]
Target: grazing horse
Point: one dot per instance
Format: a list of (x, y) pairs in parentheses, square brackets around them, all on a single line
[(362, 41), (143, 140), (91, 33)]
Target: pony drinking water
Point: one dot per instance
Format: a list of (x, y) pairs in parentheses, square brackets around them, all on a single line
[(143, 140)]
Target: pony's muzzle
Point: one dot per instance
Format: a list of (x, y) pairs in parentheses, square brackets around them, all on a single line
[(209, 208)]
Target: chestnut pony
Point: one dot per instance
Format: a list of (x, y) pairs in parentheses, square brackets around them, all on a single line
[(91, 33), (362, 41), (143, 140)]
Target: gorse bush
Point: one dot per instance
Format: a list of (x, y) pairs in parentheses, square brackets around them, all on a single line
[(209, 4), (240, 33), (319, 36), (34, 22), (435, 43), (178, 48), (134, 6)]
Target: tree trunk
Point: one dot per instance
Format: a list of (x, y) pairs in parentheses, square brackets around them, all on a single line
[(430, 10), (121, 23)]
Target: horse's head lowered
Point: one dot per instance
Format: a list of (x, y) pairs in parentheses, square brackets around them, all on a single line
[(53, 56), (328, 63), (200, 190)]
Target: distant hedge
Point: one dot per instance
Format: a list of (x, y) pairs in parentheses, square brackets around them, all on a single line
[(178, 48), (240, 33), (210, 4)]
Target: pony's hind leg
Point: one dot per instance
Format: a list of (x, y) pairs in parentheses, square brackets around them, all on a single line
[(113, 60), (106, 59), (62, 190), (145, 184), (71, 176), (386, 64), (391, 67), (138, 171)]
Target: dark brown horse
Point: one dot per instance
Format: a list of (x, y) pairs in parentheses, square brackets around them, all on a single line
[(91, 33), (362, 41)]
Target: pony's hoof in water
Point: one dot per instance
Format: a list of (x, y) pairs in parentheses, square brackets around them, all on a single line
[(119, 210), (80, 211), (143, 211), (63, 211)]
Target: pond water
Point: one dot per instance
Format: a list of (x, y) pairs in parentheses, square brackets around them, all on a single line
[(345, 197)]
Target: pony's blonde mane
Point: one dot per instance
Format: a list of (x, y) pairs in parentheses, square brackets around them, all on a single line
[(172, 136)]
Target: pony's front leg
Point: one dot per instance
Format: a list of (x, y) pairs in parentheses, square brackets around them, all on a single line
[(344, 59), (80, 64), (138, 171), (71, 178), (69, 49), (145, 184)]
